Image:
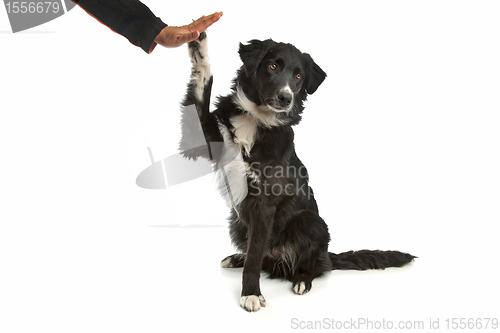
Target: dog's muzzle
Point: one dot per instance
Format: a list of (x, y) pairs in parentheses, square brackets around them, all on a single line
[(283, 100)]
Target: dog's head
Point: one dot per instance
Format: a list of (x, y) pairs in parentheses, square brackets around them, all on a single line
[(278, 76)]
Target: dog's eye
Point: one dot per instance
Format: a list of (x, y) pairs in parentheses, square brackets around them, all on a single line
[(273, 66), (298, 76)]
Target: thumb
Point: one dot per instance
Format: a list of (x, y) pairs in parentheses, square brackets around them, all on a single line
[(195, 34)]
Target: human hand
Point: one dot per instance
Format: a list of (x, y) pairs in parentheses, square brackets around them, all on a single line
[(176, 36)]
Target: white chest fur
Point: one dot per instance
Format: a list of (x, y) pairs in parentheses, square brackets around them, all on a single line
[(245, 129)]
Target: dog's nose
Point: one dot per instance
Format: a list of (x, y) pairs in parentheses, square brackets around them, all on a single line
[(285, 97)]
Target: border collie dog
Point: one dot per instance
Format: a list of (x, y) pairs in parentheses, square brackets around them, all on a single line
[(274, 220)]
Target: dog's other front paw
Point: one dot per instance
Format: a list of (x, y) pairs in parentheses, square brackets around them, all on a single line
[(252, 303)]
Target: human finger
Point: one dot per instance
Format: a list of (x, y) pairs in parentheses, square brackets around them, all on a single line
[(187, 37), (204, 22)]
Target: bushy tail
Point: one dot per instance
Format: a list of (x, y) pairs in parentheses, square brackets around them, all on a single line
[(366, 259)]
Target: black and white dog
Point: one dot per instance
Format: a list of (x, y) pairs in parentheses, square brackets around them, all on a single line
[(274, 221)]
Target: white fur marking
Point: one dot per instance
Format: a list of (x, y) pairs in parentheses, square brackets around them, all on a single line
[(236, 180), (289, 90), (226, 135), (300, 288), (254, 177), (201, 68), (252, 303), (245, 129), (232, 179), (226, 263)]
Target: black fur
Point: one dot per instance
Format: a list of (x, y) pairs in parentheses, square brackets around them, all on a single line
[(280, 233)]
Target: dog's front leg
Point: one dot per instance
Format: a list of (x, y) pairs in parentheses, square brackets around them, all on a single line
[(200, 86), (259, 229)]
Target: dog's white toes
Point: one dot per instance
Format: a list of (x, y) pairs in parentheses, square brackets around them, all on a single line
[(300, 288), (252, 303), (226, 263)]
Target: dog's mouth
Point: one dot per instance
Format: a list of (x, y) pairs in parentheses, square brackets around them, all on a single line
[(281, 101), (277, 105), (279, 109)]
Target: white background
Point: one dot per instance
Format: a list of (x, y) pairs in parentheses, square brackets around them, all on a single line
[(401, 143)]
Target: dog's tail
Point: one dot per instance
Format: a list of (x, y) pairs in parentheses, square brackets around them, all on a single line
[(366, 259)]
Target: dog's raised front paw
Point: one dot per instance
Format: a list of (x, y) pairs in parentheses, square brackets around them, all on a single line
[(200, 71), (198, 51), (202, 36), (252, 303), (195, 44)]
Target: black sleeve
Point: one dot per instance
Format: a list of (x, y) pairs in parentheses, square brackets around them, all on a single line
[(130, 18)]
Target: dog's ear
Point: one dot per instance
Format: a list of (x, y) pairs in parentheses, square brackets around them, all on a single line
[(315, 75), (253, 53)]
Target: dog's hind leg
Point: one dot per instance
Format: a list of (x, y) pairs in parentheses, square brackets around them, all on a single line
[(316, 266), (233, 261), (303, 250)]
